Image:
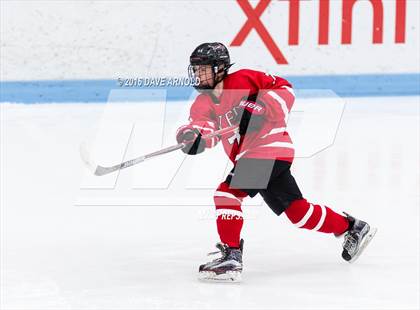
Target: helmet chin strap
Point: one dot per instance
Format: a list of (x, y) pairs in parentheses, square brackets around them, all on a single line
[(216, 72)]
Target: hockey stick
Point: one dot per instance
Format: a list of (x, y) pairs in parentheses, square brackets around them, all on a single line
[(101, 170)]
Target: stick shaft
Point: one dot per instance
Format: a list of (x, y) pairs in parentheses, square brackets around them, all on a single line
[(100, 170)]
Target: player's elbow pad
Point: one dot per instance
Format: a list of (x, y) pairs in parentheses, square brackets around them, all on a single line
[(279, 103)]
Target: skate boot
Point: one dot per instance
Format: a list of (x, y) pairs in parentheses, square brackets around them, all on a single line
[(356, 238), (227, 268)]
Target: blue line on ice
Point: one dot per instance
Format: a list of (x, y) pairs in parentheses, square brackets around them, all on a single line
[(97, 91)]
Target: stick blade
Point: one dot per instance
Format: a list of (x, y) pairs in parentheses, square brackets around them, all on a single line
[(91, 165), (100, 171)]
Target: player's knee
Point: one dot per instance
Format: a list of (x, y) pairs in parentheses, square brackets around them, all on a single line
[(225, 196), (297, 210)]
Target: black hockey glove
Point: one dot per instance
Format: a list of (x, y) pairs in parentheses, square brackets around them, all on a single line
[(192, 138)]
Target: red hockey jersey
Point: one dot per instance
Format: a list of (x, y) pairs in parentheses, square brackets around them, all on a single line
[(272, 141)]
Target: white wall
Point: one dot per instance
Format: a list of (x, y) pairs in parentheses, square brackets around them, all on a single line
[(111, 39)]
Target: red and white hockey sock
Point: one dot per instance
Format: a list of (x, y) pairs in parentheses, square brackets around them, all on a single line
[(316, 217), (229, 214)]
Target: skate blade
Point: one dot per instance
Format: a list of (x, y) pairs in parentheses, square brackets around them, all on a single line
[(365, 243), (230, 276)]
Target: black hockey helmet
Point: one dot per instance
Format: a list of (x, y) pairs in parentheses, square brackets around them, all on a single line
[(214, 54)]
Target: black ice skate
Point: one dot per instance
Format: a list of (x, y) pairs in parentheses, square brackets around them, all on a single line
[(356, 238), (227, 268)]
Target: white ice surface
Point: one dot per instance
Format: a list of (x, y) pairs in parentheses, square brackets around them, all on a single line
[(59, 254)]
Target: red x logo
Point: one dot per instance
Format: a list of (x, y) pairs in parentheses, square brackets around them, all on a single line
[(254, 22)]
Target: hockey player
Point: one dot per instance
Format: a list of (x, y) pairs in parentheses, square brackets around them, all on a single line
[(262, 153)]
